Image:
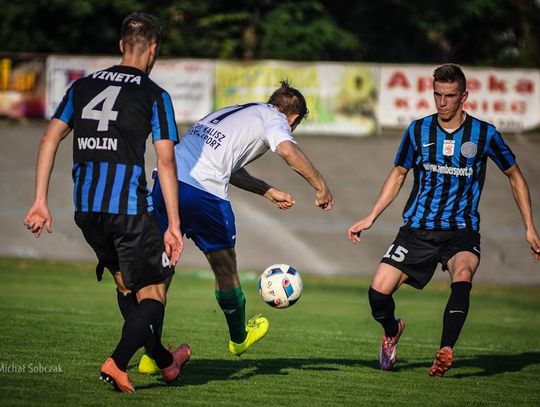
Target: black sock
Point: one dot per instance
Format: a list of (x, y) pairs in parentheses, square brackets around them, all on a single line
[(382, 310), (155, 339), (126, 302), (455, 313), (137, 330)]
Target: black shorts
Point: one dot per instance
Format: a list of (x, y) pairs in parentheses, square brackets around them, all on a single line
[(417, 252), (131, 244)]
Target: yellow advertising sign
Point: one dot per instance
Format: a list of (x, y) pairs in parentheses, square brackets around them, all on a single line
[(341, 98)]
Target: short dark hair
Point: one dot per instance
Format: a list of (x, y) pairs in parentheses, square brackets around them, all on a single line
[(140, 28), (289, 100), (450, 73)]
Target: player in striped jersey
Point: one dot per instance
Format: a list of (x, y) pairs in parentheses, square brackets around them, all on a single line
[(112, 112), (448, 153)]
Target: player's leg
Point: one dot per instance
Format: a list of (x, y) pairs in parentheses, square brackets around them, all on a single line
[(228, 291), (138, 330), (93, 227), (232, 301), (147, 363), (386, 281), (410, 259), (139, 327), (461, 267), (140, 252), (127, 301)]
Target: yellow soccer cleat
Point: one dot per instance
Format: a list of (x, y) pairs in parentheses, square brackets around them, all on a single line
[(147, 365), (256, 329)]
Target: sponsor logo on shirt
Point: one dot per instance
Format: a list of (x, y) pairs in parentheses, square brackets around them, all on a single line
[(447, 170)]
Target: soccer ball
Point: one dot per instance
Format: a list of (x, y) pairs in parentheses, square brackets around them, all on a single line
[(280, 285)]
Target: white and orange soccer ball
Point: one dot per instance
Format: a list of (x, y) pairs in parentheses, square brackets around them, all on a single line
[(280, 285)]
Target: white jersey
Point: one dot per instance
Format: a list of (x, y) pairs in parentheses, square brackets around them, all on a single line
[(227, 140)]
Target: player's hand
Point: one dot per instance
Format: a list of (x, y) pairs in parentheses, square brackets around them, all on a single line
[(324, 199), (356, 229), (37, 218), (174, 244), (283, 200), (534, 241)]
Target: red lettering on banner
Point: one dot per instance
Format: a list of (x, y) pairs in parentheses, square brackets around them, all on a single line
[(423, 104), (425, 83), (398, 79), (474, 84), (401, 103), (499, 106), (519, 107), (471, 106), (496, 106), (524, 86), (496, 85)]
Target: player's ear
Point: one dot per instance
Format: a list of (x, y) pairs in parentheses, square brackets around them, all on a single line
[(121, 46), (153, 49), (464, 96), (292, 119)]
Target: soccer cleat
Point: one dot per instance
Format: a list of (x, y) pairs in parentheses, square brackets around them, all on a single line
[(443, 362), (110, 373), (147, 365), (181, 356), (256, 329), (388, 350)]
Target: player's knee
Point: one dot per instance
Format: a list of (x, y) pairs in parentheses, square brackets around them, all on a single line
[(157, 292), (225, 274), (463, 274), (381, 304)]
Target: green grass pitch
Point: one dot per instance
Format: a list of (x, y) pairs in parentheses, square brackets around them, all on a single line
[(321, 352)]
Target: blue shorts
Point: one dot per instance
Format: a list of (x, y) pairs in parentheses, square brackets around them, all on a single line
[(205, 218)]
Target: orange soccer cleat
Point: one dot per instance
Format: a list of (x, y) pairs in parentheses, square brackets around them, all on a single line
[(110, 373), (443, 362), (181, 356)]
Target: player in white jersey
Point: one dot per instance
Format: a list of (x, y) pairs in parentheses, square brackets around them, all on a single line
[(213, 154)]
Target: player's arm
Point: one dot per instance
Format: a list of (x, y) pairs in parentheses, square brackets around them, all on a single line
[(39, 216), (244, 180), (389, 191), (300, 163), (166, 166), (520, 189)]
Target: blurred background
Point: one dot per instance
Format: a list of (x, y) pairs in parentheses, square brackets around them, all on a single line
[(365, 68)]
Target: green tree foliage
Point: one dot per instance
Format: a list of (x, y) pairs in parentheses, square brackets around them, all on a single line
[(304, 30), (473, 32)]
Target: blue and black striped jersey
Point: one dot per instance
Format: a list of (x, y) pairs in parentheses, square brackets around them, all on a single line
[(449, 171), (112, 112)]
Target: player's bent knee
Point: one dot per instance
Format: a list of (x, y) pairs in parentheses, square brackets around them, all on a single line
[(156, 292), (463, 274)]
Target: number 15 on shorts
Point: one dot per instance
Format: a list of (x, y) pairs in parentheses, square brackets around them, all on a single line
[(396, 253)]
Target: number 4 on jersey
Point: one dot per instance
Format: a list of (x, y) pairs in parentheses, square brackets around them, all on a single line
[(106, 114)]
